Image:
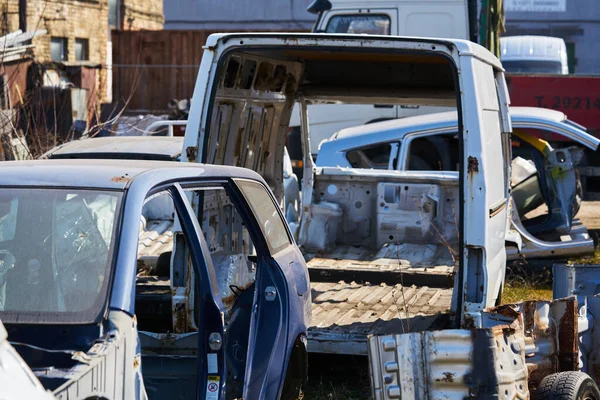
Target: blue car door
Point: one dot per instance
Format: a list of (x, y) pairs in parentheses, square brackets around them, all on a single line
[(274, 315)]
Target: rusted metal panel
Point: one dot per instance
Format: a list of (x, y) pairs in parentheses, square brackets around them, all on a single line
[(449, 364), (15, 75), (518, 346), (549, 331)]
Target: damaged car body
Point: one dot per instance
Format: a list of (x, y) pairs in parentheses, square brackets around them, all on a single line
[(246, 89), (535, 349), (543, 180), (78, 300)]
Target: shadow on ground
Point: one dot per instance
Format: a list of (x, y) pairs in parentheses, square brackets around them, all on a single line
[(337, 377)]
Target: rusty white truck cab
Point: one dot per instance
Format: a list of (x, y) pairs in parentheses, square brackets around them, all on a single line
[(248, 84)]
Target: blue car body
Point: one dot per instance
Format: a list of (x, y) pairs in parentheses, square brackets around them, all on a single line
[(65, 347)]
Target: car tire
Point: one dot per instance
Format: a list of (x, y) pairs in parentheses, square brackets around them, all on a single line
[(569, 385)]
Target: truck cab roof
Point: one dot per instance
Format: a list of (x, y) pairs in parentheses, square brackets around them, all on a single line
[(464, 47)]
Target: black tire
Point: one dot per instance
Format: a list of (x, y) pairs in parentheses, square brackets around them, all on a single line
[(569, 385)]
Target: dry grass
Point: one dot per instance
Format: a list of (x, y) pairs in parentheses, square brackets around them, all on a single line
[(592, 259), (517, 294), (527, 285), (523, 283)]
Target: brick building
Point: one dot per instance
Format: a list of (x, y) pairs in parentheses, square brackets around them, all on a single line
[(136, 14), (78, 31)]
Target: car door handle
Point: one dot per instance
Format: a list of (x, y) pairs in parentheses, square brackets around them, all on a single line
[(497, 208)]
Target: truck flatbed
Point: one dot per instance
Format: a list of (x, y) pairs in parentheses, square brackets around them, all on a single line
[(344, 314)]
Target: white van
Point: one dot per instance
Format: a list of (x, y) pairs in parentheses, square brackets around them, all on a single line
[(534, 54), (423, 18)]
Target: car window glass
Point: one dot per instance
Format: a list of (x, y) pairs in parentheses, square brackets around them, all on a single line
[(265, 211), (434, 153), (359, 24), (372, 157), (64, 266)]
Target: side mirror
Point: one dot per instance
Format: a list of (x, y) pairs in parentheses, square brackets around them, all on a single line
[(318, 6)]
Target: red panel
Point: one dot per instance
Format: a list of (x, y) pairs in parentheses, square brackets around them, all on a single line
[(578, 97)]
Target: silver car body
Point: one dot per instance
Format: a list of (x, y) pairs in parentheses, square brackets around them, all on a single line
[(400, 132)]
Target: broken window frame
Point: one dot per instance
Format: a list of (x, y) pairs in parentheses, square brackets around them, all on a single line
[(405, 153), (393, 156)]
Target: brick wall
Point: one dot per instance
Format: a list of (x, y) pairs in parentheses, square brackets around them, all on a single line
[(142, 14), (69, 19), (80, 19)]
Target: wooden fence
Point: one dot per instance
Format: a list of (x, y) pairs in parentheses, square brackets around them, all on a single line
[(150, 68)]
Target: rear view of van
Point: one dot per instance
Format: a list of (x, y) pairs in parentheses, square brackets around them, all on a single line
[(534, 54)]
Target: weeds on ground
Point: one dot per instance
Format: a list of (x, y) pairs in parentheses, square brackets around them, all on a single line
[(523, 283), (591, 259)]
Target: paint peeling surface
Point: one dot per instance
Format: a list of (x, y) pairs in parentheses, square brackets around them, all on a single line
[(473, 165)]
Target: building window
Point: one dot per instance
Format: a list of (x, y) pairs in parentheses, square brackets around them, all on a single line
[(82, 52), (113, 13), (59, 49)]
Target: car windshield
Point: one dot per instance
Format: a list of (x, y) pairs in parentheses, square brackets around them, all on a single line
[(55, 253), (529, 66)]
